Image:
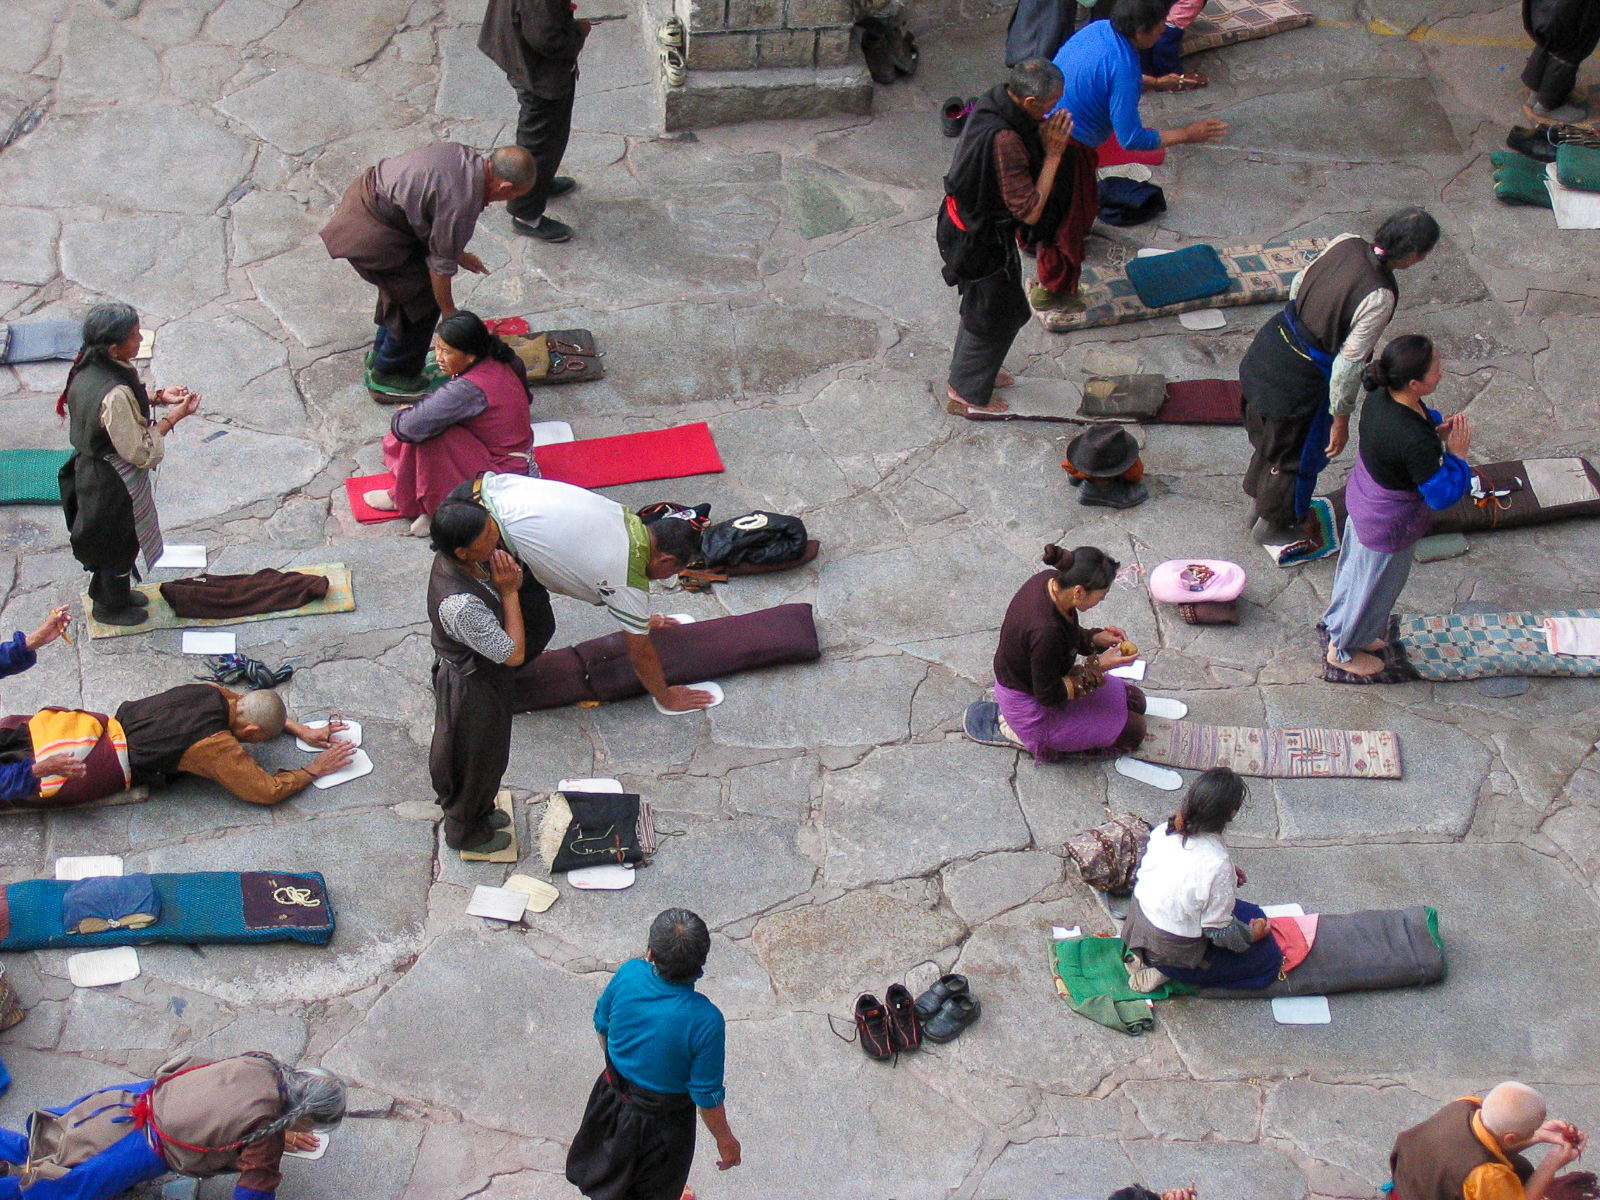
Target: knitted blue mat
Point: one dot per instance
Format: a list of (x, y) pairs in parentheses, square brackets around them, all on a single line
[(29, 476), (196, 907), (1182, 275)]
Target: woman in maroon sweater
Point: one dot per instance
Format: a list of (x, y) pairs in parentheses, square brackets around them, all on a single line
[(1050, 678)]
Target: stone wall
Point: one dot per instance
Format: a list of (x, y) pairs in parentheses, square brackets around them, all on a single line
[(741, 35)]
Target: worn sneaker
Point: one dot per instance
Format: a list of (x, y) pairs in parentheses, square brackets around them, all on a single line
[(872, 1027), (947, 985), (954, 1015), (905, 1026)]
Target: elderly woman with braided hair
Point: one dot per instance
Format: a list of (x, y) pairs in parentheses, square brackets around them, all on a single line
[(106, 492), (197, 1117)]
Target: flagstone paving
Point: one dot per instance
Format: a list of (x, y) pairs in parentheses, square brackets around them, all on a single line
[(780, 281)]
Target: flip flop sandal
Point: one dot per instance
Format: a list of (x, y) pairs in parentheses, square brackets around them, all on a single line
[(1137, 768), (672, 66), (972, 412), (670, 33), (1163, 706), (982, 724)]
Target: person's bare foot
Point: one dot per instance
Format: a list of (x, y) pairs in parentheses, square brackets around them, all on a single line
[(964, 408), (1005, 379), (1376, 647), (1361, 663), (380, 499)]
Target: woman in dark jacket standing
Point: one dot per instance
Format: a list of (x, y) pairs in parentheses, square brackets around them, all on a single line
[(106, 491), (1410, 466), (475, 604)]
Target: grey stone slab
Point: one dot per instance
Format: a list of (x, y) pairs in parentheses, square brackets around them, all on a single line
[(166, 265), (320, 300), (103, 62), (867, 701), (27, 245), (330, 34), (776, 457), (264, 224), (168, 22), (201, 479), (1048, 1168), (364, 1158), (1247, 1172), (906, 810), (296, 109), (988, 886), (490, 989), (188, 807), (1196, 1112), (1496, 947), (342, 162), (216, 356), (470, 84), (379, 907), (41, 1080), (1277, 192), (151, 158), (964, 585), (240, 22), (893, 270), (28, 40), (279, 1034), (780, 789), (1350, 1126), (902, 149), (1009, 474), (673, 162), (871, 426), (823, 200), (105, 1024), (690, 871), (780, 346), (1443, 766), (1350, 122), (199, 71), (817, 952), (547, 747)]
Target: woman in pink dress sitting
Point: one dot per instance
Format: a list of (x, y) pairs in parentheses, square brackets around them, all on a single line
[(477, 422)]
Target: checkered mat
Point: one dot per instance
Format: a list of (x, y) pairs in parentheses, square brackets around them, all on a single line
[(1223, 22), (1257, 274), (341, 597), (1451, 646), (1274, 753)]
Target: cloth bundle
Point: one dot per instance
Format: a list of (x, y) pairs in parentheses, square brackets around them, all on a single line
[(105, 902), (1130, 201), (1205, 590), (94, 739), (221, 597), (592, 829), (1578, 636), (1108, 855), (1578, 166), (1519, 179)]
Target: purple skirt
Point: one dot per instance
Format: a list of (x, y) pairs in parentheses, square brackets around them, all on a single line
[(1051, 732)]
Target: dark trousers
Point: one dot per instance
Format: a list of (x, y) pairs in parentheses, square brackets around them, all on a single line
[(111, 589), (1274, 468), (544, 123), (633, 1144), (404, 353), (1550, 76), (1564, 33), (993, 309)]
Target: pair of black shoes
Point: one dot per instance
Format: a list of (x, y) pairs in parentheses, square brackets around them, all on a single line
[(898, 1023), (1110, 493), (135, 612), (889, 48), (1541, 142), (545, 228)]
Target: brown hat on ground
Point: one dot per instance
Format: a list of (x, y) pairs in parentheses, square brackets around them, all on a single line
[(1103, 450)]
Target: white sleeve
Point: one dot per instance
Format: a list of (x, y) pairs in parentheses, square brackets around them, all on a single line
[(1219, 898), (1371, 319)]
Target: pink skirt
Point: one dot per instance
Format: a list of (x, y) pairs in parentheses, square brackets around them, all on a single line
[(426, 472), (1050, 732)]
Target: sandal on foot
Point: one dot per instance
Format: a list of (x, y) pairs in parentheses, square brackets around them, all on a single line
[(670, 33), (956, 406), (1004, 380), (672, 66), (379, 498)]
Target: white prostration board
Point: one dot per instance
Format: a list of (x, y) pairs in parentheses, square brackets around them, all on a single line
[(322, 1148), (612, 877), (90, 866), (1156, 776), (358, 766), (184, 558), (350, 733), (549, 433), (1134, 670), (498, 904), (716, 698), (1202, 318), (1166, 707), (209, 641), (1301, 1010), (99, 968)]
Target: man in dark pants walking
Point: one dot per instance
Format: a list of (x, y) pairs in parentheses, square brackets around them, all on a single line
[(1564, 33), (536, 43)]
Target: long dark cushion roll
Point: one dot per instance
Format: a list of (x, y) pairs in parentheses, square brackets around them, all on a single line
[(1359, 952), (599, 670), (1523, 507)]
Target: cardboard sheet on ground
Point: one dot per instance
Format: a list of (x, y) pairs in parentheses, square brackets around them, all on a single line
[(101, 968), (1258, 274), (91, 866), (341, 597), (510, 854)]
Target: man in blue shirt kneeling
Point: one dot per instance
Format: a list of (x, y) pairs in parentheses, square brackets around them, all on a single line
[(664, 1046)]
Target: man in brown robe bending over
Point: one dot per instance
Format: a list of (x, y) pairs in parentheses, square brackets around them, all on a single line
[(404, 226), (202, 728)]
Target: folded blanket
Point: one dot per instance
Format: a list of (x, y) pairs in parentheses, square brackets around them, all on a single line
[(1090, 976), (228, 597)]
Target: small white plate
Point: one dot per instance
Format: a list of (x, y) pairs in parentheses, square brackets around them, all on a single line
[(612, 877), (1165, 706), (99, 968), (1301, 1010), (322, 1148), (716, 698), (602, 786), (1202, 318), (351, 733), (360, 765), (1161, 777), (88, 867)]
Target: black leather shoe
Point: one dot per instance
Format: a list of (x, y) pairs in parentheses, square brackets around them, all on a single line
[(905, 1027), (872, 1027), (560, 186), (1534, 143), (546, 229), (953, 116), (948, 985), (120, 616), (954, 1015), (1119, 493)]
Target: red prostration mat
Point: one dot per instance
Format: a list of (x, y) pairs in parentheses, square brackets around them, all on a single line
[(363, 511), (1200, 402), (631, 457)]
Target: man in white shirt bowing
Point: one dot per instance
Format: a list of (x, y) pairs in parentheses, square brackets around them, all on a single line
[(578, 543)]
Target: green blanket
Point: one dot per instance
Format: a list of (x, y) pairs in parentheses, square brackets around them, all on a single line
[(29, 476), (1091, 978)]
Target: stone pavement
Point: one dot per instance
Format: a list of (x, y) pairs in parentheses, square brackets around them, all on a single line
[(780, 281)]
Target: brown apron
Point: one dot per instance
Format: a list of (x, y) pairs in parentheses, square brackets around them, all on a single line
[(373, 235)]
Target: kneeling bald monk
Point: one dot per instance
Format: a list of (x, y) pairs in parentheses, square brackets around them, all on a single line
[(197, 1117), (194, 729)]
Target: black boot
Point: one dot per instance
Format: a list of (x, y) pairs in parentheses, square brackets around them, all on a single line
[(112, 594)]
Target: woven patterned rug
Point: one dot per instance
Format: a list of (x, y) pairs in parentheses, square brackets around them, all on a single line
[(1454, 646), (1259, 274), (341, 597), (1274, 753), (1223, 22)]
